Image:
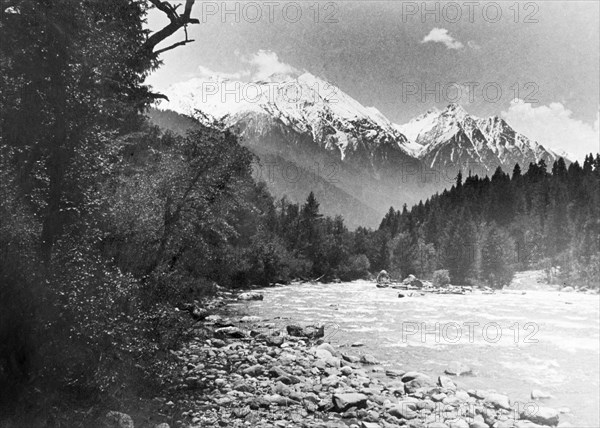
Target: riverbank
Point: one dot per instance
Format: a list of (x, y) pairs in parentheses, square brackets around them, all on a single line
[(248, 371)]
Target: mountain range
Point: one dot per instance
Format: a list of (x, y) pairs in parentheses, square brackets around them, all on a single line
[(310, 136)]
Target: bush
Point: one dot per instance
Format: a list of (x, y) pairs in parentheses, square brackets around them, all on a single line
[(441, 278), (356, 267)]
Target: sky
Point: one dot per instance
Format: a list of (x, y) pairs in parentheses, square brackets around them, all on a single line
[(536, 64)]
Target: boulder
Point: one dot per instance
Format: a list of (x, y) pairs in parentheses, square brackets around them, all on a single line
[(404, 410), (446, 382), (118, 420), (328, 347), (412, 281), (229, 332), (536, 394), (498, 401), (343, 402), (251, 295), (368, 359), (309, 331), (458, 423), (394, 373), (458, 369), (541, 415), (255, 370)]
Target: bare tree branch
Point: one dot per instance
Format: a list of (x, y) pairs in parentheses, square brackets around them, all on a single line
[(173, 46), (176, 22)]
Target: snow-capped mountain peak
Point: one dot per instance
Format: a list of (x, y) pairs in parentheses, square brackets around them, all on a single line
[(453, 136), (300, 101)]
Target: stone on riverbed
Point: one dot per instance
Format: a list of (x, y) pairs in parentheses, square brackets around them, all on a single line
[(368, 359), (328, 347), (343, 402), (458, 369), (404, 410), (446, 382), (309, 331), (536, 394), (394, 373), (230, 332), (251, 295), (498, 401), (541, 415)]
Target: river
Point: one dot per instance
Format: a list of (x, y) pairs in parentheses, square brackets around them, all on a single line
[(513, 343)]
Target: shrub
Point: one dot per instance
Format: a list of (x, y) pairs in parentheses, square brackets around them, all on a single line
[(441, 278)]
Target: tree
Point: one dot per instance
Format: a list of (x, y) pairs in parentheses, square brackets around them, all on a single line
[(497, 258)]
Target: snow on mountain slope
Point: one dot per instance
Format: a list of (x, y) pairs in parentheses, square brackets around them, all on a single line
[(305, 103), (452, 137)]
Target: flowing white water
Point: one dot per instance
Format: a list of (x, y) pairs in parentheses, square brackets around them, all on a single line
[(514, 343)]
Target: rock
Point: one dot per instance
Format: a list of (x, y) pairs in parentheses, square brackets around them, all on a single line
[(357, 344), (213, 318), (408, 376), (368, 359), (217, 343), (417, 384), (274, 340), (118, 420), (458, 369), (536, 394), (404, 410), (568, 289), (343, 402), (437, 425), (369, 425), (328, 347), (259, 403), (248, 318), (446, 382), (541, 415), (230, 332), (498, 401), (458, 423), (346, 370), (322, 354), (412, 281), (394, 373), (242, 386), (528, 424), (251, 295), (350, 358), (163, 425), (279, 400), (255, 370), (439, 397), (310, 331), (199, 313)]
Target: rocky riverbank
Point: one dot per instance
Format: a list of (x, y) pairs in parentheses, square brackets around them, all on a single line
[(246, 371)]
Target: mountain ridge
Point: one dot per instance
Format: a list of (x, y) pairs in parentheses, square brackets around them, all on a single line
[(297, 121)]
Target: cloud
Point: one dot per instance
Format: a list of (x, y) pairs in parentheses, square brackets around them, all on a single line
[(554, 127), (266, 63), (473, 45), (259, 66), (440, 35), (206, 73)]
